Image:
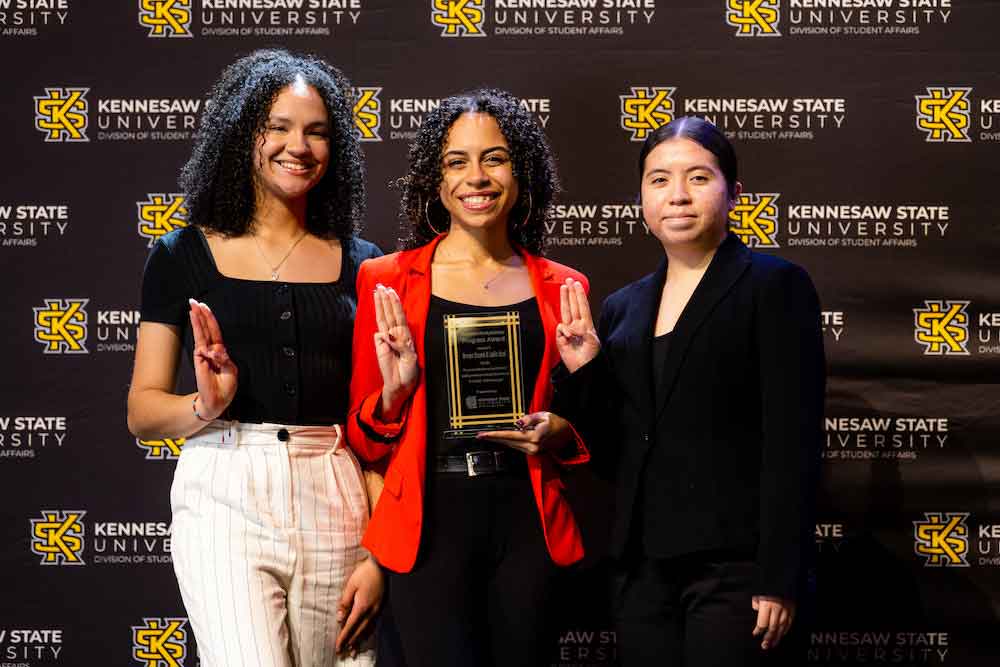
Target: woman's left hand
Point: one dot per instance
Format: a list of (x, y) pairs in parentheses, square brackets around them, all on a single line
[(359, 604), (774, 617), (538, 432)]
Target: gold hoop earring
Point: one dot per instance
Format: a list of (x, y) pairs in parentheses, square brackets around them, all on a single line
[(427, 217), (528, 214)]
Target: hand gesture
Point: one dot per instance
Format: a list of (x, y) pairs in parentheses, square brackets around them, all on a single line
[(537, 433), (576, 337), (214, 371), (397, 356), (359, 604), (774, 617)]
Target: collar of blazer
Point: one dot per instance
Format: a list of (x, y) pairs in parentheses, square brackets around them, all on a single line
[(731, 260)]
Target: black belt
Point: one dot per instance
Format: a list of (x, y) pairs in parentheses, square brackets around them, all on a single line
[(487, 462)]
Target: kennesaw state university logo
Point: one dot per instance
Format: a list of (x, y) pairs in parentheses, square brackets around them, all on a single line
[(168, 449), (166, 18), (944, 114), (58, 537), (459, 18), (160, 214), (161, 642), (754, 18), (368, 113), (61, 114), (942, 539), (645, 109), (755, 219), (942, 327), (61, 326)]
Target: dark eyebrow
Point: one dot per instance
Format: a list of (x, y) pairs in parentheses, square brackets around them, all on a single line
[(463, 153), (286, 119)]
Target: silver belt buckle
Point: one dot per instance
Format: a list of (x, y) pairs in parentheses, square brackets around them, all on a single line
[(474, 459)]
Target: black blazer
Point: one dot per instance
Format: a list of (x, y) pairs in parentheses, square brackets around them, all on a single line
[(724, 453)]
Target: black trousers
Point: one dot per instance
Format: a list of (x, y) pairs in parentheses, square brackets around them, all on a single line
[(690, 611), (478, 592)]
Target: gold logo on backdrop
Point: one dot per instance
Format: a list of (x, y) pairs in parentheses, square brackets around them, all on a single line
[(942, 538), (646, 109), (754, 18), (58, 537), (62, 114), (459, 18), (368, 113), (755, 219), (942, 327), (161, 214), (61, 326), (944, 114), (166, 18), (161, 642), (167, 449)]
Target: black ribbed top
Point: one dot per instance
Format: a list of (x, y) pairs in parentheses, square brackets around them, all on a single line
[(290, 341)]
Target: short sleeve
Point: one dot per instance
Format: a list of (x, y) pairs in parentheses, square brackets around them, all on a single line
[(164, 288)]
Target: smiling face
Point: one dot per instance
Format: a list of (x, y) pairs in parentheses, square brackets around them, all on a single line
[(685, 200), (478, 187), (293, 152)]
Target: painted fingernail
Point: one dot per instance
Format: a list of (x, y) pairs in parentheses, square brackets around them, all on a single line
[(192, 301), (205, 305)]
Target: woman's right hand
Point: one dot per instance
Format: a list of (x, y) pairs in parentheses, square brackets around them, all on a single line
[(576, 337), (214, 372), (397, 356)]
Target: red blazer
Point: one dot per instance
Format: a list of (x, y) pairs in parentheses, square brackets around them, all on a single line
[(393, 534)]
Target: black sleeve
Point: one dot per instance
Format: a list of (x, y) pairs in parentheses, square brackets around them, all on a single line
[(164, 288), (586, 398), (792, 385)]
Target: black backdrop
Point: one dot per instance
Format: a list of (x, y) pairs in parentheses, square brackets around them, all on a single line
[(868, 134)]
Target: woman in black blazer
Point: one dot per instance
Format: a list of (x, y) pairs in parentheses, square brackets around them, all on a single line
[(703, 386)]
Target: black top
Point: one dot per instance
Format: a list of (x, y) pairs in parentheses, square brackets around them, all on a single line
[(290, 341), (532, 339), (655, 503)]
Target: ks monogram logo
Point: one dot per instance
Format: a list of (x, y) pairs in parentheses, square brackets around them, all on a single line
[(459, 18), (646, 109), (368, 113), (160, 214), (62, 114), (944, 114), (58, 537), (754, 18), (161, 642), (942, 538), (942, 327), (166, 18), (61, 326)]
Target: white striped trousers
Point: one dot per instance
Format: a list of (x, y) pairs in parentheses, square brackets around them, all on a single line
[(265, 534)]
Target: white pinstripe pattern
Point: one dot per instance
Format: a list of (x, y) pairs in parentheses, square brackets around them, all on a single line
[(265, 534)]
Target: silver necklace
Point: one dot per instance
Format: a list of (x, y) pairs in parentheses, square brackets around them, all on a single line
[(276, 267)]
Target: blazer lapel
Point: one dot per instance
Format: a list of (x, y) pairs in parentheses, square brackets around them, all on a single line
[(730, 261), (637, 369)]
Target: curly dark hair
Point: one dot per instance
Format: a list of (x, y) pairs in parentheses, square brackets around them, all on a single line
[(218, 179), (533, 164)]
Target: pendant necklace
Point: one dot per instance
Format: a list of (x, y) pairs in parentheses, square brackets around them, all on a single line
[(276, 267)]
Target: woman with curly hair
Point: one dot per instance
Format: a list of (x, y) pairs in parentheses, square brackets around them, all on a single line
[(471, 523), (269, 506)]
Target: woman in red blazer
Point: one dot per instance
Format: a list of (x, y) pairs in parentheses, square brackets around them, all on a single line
[(470, 525)]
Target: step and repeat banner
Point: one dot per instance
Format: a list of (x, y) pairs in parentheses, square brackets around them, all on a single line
[(869, 139)]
